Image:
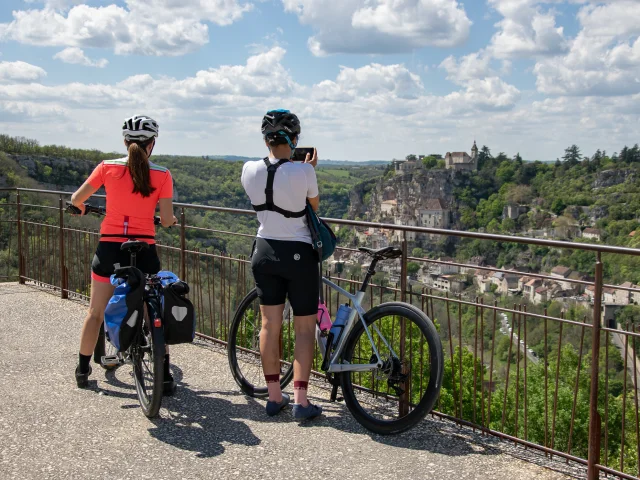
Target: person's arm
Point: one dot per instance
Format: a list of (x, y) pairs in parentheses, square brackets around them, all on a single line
[(312, 181), (88, 188), (167, 218)]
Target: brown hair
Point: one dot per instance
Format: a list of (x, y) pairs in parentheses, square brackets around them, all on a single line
[(138, 165)]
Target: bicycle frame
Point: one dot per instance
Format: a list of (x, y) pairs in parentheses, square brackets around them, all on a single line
[(356, 312)]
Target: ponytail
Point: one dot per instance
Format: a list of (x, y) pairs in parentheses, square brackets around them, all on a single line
[(138, 165)]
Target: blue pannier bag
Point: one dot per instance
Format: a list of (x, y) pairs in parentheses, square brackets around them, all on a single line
[(323, 239), (125, 308), (179, 314)]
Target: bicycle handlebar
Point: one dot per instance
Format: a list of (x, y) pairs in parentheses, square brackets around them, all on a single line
[(72, 209)]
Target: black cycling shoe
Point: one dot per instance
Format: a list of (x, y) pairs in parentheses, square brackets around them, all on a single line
[(169, 387), (82, 379)]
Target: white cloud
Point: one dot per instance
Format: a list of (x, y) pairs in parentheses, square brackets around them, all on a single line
[(75, 55), (375, 111), (604, 58), (381, 26), (368, 81), (18, 72), (152, 27), (526, 30), (473, 66)]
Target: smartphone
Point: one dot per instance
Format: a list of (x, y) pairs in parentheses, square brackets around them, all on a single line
[(300, 155)]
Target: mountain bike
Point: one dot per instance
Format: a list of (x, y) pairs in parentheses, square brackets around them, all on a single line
[(146, 353), (388, 360)]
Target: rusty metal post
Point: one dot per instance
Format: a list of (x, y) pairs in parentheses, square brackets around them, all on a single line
[(403, 405), (63, 275), (594, 417), (183, 245), (21, 269)]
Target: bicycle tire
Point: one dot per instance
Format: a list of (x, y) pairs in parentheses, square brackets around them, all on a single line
[(431, 392), (102, 345), (248, 387), (150, 404)]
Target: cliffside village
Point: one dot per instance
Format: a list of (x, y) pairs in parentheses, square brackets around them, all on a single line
[(443, 275)]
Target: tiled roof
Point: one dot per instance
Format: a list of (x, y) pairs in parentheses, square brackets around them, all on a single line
[(560, 270)]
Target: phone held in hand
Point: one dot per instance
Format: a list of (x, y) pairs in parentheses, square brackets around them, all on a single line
[(300, 154)]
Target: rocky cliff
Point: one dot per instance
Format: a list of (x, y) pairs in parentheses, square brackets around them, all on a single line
[(411, 191)]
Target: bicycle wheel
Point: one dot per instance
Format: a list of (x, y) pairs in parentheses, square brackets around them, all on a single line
[(244, 347), (147, 355), (104, 349), (397, 396)]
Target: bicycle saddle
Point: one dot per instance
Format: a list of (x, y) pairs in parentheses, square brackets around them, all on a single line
[(386, 252), (133, 246)]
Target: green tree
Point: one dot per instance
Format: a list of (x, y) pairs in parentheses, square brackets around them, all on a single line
[(572, 156), (413, 268)]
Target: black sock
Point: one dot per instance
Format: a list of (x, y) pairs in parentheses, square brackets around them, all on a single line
[(167, 370), (84, 362)]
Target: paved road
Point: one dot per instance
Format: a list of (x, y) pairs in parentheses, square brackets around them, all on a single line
[(505, 325), (51, 430)]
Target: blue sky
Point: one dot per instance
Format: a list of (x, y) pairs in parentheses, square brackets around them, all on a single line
[(370, 79)]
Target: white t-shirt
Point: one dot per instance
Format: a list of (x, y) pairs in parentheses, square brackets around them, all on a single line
[(293, 184)]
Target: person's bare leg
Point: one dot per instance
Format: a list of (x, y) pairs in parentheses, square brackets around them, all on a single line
[(305, 328), (101, 292), (270, 348)]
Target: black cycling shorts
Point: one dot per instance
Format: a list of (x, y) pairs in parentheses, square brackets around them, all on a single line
[(109, 253), (286, 269)]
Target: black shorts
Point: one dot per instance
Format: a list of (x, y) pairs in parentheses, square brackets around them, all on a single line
[(286, 269), (109, 253)]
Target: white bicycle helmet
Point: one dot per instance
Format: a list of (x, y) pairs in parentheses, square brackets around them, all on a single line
[(139, 128)]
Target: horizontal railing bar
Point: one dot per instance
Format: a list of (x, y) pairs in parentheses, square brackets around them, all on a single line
[(27, 222), (405, 228), (615, 473), (191, 227), (46, 207), (621, 332)]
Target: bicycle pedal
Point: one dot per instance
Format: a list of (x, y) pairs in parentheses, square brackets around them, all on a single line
[(110, 360)]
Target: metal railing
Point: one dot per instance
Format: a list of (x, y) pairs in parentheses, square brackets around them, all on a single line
[(56, 255)]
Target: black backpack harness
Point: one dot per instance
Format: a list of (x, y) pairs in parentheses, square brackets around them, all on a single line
[(269, 205)]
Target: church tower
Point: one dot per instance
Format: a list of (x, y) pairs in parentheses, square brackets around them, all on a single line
[(474, 151)]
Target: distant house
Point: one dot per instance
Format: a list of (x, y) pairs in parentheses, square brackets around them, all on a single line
[(433, 215), (513, 211), (591, 233), (623, 297), (461, 161), (444, 268), (529, 289), (609, 295), (388, 207), (474, 262), (562, 273), (505, 282), (449, 283), (540, 295), (403, 167), (577, 287)]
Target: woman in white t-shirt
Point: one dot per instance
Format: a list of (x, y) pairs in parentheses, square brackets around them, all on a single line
[(283, 260)]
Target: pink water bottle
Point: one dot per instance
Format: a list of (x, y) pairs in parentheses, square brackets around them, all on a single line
[(323, 317)]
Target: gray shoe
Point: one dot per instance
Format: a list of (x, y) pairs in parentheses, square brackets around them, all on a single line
[(306, 413), (274, 408)]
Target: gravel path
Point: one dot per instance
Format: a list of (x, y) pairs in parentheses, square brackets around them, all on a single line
[(49, 429)]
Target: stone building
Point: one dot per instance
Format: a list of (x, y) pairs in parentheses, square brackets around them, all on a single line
[(461, 161)]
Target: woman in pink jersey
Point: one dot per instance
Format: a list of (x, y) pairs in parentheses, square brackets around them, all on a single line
[(134, 187)]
